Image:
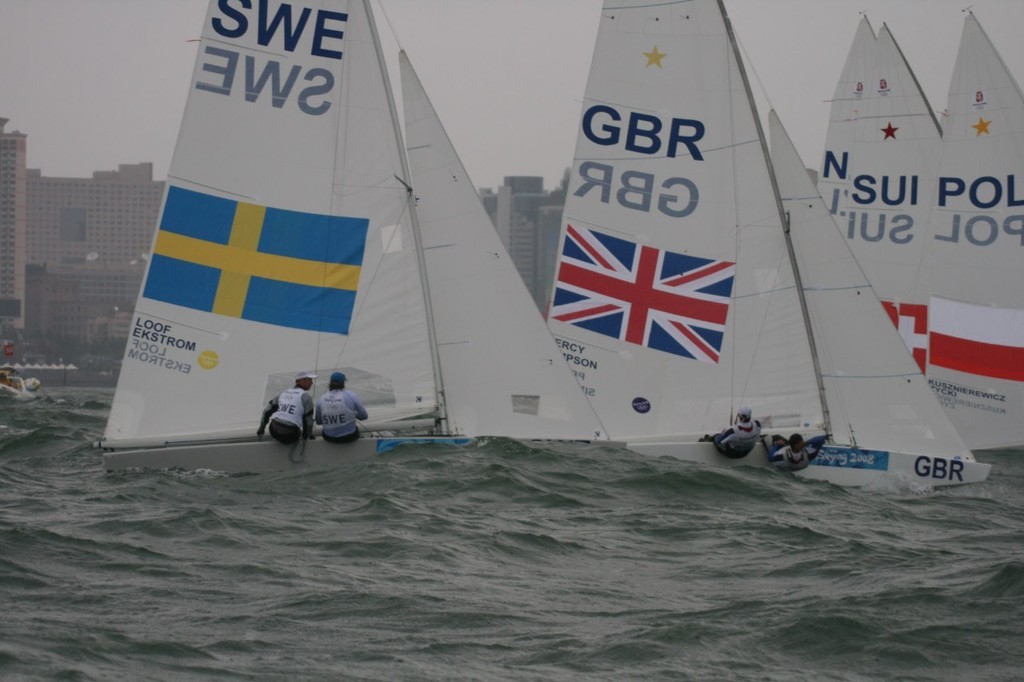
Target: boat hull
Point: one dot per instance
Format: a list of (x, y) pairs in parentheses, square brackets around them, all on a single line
[(17, 394), (259, 456), (841, 465)]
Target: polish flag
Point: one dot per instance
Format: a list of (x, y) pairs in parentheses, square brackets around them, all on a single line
[(977, 339), (911, 320)]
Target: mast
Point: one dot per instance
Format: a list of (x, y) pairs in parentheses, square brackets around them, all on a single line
[(417, 238), (783, 216)]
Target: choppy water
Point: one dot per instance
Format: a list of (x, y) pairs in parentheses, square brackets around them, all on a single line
[(494, 562)]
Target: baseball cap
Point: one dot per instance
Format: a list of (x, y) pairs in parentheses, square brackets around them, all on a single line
[(338, 378), (305, 375)]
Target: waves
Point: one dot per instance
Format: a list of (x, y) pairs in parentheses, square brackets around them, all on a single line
[(499, 561)]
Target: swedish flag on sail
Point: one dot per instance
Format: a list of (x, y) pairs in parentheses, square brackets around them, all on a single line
[(259, 263)]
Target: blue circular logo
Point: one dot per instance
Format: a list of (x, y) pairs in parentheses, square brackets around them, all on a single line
[(641, 405)]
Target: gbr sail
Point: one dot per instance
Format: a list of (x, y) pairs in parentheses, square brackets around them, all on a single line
[(684, 284), (674, 287)]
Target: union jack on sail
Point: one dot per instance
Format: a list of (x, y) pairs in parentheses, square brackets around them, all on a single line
[(640, 294)]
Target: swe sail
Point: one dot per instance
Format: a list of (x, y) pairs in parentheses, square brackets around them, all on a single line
[(287, 241)]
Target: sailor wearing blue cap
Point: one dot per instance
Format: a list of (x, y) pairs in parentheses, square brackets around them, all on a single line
[(337, 411)]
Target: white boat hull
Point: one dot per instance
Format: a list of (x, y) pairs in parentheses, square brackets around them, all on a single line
[(838, 464), (259, 456), (17, 394)]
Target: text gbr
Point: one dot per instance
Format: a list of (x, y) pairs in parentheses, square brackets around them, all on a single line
[(640, 134), (942, 469)]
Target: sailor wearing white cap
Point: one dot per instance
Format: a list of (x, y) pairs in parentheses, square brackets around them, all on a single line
[(291, 413), (738, 440)]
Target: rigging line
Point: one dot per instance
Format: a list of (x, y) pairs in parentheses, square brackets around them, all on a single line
[(340, 139), (391, 26), (729, 56), (748, 64), (733, 148), (338, 149), (387, 246)]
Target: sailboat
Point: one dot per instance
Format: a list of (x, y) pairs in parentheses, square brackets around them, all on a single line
[(925, 210), (680, 284), (289, 241), (878, 176), (14, 385), (973, 274)]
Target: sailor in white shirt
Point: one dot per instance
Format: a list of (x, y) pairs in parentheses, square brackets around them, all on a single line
[(291, 414), (739, 439)]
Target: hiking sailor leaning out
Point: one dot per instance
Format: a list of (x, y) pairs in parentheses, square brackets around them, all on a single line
[(796, 453), (738, 440), (291, 413), (337, 411)]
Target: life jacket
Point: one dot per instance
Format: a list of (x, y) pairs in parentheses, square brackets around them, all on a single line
[(289, 407), (336, 414), (795, 460), (744, 436)]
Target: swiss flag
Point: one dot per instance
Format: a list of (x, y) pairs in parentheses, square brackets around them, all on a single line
[(911, 319), (8, 349)]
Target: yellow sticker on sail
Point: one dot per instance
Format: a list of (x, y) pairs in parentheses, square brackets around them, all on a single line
[(208, 359)]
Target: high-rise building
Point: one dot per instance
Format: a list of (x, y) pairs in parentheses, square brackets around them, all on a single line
[(13, 217), (523, 214), (90, 238)]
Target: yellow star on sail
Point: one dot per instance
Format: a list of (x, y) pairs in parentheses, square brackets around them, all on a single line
[(654, 57), (981, 126)]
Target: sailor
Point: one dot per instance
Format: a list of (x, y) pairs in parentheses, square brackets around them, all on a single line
[(291, 413), (337, 411), (738, 440), (796, 453)]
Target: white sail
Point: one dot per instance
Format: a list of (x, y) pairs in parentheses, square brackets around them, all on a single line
[(284, 242), (682, 286), (973, 277), (876, 395), (890, 174), (849, 106), (879, 185), (933, 220), (503, 373), (675, 295)]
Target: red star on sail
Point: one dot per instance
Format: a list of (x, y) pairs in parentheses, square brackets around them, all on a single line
[(889, 131)]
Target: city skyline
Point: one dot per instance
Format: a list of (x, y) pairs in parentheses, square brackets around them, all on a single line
[(507, 85)]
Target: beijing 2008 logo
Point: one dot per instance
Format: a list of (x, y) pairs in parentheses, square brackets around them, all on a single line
[(641, 405)]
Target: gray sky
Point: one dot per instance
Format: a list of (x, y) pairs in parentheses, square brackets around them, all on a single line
[(95, 83)]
